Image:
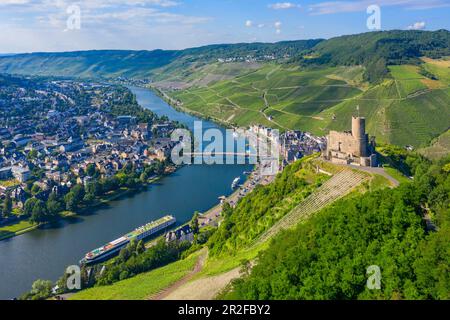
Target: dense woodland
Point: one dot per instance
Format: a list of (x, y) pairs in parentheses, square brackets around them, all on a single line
[(377, 50), (328, 256), (258, 211)]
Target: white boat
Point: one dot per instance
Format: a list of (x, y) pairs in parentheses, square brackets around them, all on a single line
[(115, 246), (235, 183)]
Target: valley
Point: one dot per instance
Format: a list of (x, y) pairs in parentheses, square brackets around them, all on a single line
[(314, 229)]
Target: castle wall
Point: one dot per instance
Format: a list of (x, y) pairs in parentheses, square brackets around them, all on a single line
[(346, 147), (343, 142)]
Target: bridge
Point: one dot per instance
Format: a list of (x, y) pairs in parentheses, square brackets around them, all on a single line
[(214, 154)]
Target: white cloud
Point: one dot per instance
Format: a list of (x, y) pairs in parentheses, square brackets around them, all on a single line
[(283, 5), (417, 26), (331, 7), (105, 24), (278, 25), (13, 2), (249, 23)]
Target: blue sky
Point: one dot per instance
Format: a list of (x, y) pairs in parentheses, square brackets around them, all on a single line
[(42, 25)]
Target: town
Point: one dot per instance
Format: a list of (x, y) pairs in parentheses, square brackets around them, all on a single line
[(56, 134)]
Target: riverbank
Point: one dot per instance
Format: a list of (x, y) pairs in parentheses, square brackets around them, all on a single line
[(173, 103), (25, 226), (48, 251), (213, 215), (16, 229)]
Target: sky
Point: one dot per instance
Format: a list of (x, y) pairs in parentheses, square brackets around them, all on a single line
[(69, 25)]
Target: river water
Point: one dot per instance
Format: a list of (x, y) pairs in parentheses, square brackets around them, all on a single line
[(45, 253)]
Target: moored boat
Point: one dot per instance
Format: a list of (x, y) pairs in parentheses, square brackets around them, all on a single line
[(235, 183), (112, 248)]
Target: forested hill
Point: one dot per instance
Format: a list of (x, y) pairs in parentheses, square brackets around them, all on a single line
[(374, 50), (400, 81), (403, 231), (377, 50), (141, 64)]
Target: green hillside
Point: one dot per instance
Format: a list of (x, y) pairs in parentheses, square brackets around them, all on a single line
[(405, 109), (439, 148), (155, 64), (327, 256), (399, 79), (87, 63), (377, 50), (142, 286), (320, 256)]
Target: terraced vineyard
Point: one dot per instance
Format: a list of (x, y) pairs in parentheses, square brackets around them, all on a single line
[(408, 108), (337, 187), (277, 96), (439, 149)]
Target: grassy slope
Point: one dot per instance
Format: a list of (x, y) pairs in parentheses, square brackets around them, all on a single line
[(142, 286), (407, 109), (199, 74), (293, 96), (440, 147), (156, 64), (9, 231), (88, 63)]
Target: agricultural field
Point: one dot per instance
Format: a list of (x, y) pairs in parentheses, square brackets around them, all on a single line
[(410, 107), (439, 148), (274, 95), (200, 75), (439, 68), (407, 79)]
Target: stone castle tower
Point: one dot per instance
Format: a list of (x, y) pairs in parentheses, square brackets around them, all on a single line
[(352, 147), (360, 136)]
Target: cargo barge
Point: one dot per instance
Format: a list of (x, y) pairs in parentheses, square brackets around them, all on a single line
[(114, 247)]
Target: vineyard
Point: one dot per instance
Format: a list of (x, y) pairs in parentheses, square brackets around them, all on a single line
[(336, 188)]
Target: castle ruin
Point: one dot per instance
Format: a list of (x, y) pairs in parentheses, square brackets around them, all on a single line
[(352, 147)]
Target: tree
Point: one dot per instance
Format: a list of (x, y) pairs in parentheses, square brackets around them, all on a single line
[(131, 182), (78, 192), (71, 202), (39, 213), (41, 289), (29, 205), (110, 184), (90, 170), (54, 207), (7, 205), (144, 177), (89, 198), (35, 189), (28, 185), (195, 224), (33, 154), (227, 210), (94, 188), (74, 198), (140, 248)]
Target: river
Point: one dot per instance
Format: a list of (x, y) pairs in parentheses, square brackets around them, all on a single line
[(46, 252)]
